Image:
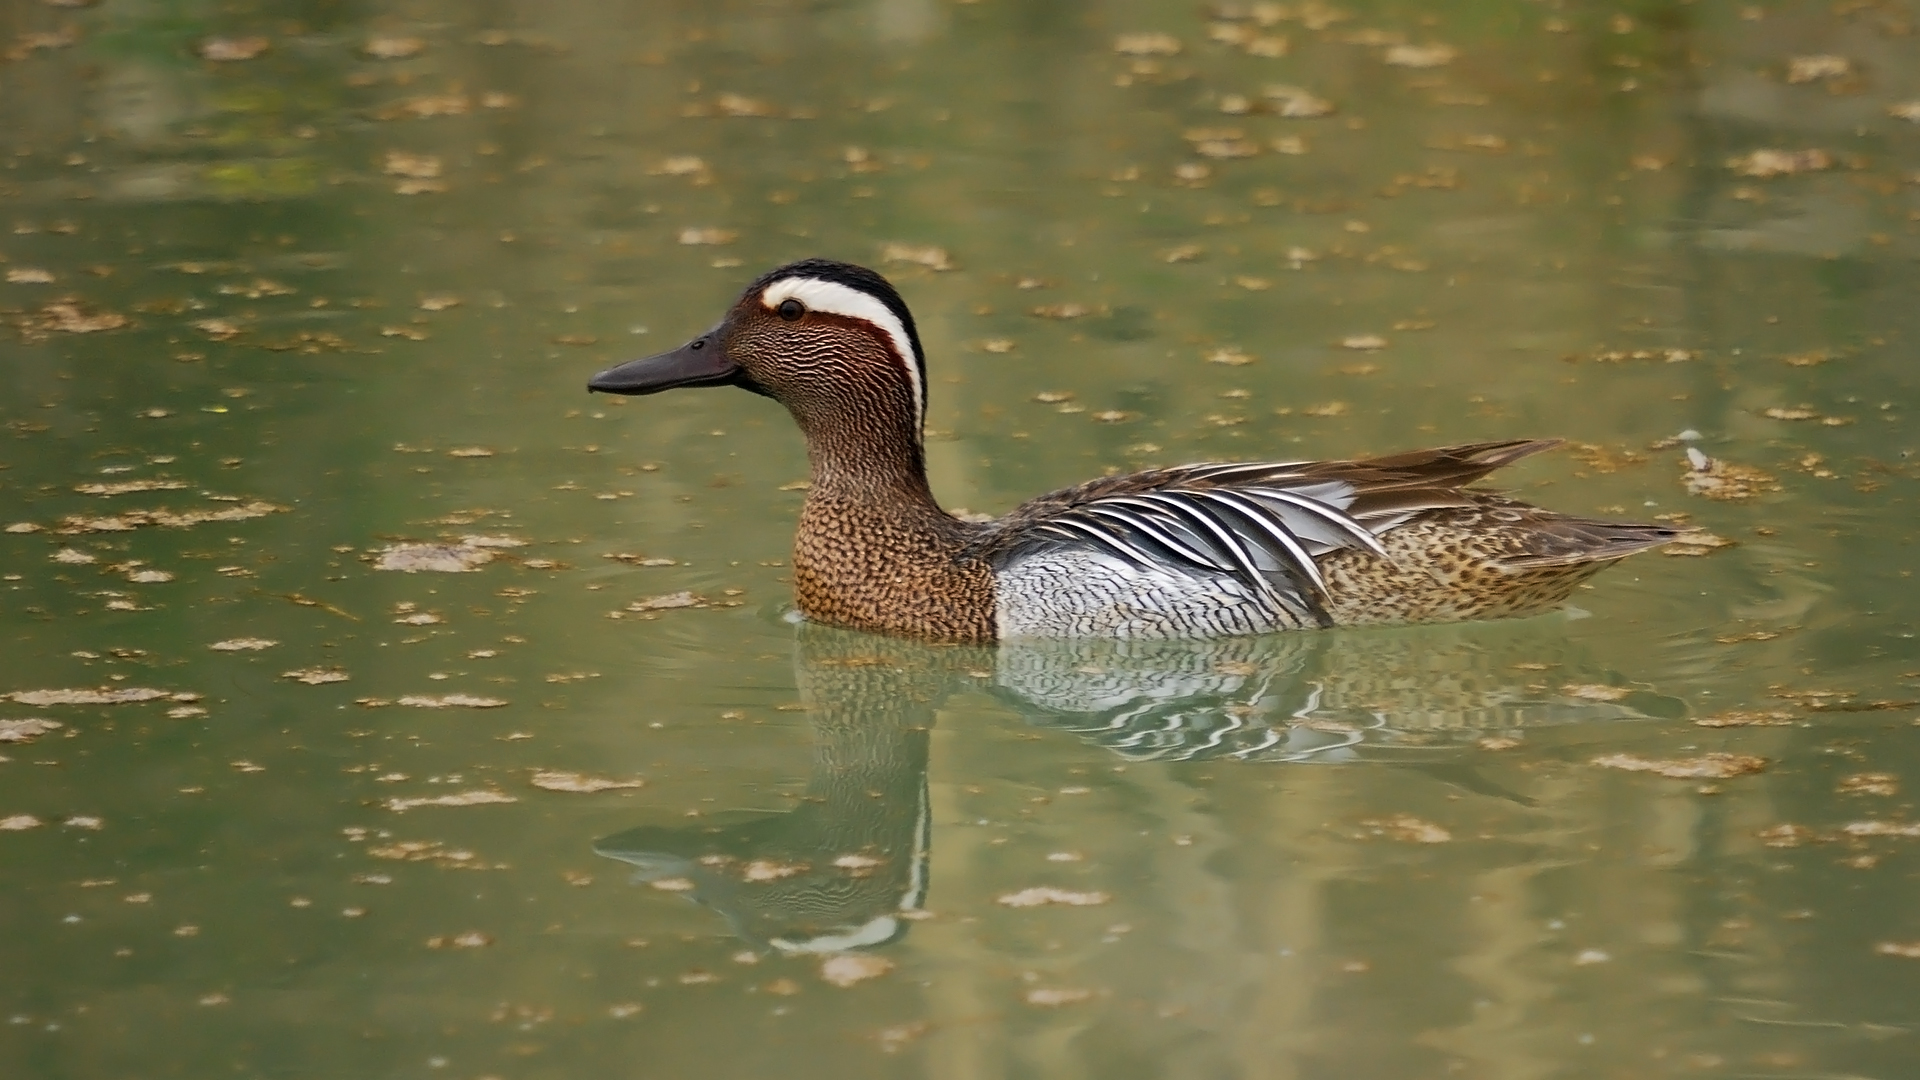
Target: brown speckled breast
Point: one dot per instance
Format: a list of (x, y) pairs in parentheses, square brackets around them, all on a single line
[(897, 573)]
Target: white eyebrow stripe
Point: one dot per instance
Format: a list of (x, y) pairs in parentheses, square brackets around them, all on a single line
[(834, 298)]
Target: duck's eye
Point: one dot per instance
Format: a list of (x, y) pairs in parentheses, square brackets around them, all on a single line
[(791, 309)]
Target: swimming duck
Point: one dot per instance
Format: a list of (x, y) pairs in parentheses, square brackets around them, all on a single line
[(1205, 550)]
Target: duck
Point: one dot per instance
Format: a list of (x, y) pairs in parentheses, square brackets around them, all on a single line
[(1212, 549)]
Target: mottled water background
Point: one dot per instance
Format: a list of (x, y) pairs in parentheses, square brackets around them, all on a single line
[(342, 290)]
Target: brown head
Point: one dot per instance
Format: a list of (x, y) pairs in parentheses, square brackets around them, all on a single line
[(835, 344), (831, 341)]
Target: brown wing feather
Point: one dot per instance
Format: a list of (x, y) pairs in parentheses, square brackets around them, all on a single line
[(1384, 487)]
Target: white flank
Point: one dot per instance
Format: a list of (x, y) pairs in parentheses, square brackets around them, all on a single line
[(834, 298)]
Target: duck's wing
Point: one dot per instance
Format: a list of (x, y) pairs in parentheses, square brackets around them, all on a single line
[(1261, 523)]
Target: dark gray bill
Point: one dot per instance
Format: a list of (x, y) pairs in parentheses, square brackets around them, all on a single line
[(700, 362)]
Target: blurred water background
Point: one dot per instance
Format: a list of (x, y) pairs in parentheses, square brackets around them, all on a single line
[(300, 298)]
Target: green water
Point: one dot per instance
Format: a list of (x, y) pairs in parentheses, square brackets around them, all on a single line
[(350, 302)]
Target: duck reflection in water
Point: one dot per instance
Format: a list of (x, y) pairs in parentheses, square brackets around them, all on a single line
[(1418, 694), (849, 868)]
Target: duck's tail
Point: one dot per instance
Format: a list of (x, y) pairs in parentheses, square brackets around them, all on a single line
[(1554, 540)]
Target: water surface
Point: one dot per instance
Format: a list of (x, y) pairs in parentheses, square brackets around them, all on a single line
[(289, 284)]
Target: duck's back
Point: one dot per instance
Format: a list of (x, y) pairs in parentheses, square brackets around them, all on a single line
[(1215, 550)]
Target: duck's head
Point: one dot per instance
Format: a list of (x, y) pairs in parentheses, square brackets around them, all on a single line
[(831, 341)]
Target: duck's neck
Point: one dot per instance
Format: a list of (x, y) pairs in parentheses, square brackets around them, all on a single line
[(866, 464), (874, 550)]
